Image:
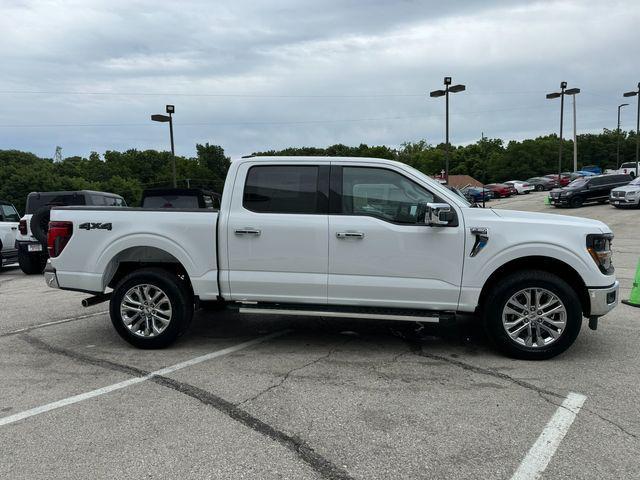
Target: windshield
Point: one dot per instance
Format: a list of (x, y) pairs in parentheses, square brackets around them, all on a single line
[(578, 182), (635, 181)]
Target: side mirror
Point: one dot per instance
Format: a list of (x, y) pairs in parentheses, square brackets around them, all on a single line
[(438, 214)]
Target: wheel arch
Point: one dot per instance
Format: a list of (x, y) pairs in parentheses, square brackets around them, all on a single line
[(138, 257), (541, 263)]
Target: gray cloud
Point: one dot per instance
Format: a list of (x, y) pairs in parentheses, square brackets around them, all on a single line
[(313, 73)]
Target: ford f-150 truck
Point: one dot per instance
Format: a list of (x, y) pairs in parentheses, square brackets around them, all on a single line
[(342, 237)]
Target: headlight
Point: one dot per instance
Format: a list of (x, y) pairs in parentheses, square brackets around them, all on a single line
[(599, 247)]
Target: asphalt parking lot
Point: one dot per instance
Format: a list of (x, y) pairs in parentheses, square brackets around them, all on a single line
[(285, 397)]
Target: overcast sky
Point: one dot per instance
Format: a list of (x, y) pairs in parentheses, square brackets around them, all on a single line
[(252, 75)]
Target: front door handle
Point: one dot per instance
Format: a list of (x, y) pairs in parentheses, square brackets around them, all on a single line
[(248, 231), (358, 235), (14, 228)]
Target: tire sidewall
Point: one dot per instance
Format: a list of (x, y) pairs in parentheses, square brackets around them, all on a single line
[(178, 295), (538, 279), (576, 202), (38, 220)]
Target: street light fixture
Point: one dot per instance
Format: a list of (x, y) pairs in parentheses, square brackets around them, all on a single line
[(633, 94), (448, 88), (618, 136), (563, 91), (170, 109)]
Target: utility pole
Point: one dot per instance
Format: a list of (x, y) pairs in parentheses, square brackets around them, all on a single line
[(633, 94), (448, 88), (618, 136)]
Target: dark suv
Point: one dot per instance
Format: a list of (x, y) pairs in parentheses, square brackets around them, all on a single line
[(180, 198), (31, 240), (587, 189)]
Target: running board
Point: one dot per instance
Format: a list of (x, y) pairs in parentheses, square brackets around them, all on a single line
[(407, 315)]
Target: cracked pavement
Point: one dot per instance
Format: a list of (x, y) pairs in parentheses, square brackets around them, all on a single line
[(339, 398)]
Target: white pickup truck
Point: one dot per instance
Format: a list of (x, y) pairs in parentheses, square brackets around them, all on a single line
[(342, 237)]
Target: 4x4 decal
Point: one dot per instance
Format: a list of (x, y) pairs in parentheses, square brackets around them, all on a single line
[(95, 226)]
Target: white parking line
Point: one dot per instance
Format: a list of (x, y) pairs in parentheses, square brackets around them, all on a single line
[(133, 381), (55, 322), (541, 452)]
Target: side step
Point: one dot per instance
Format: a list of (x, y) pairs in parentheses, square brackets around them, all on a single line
[(339, 311)]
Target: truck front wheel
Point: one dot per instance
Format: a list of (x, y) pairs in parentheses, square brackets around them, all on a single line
[(151, 308), (532, 315)]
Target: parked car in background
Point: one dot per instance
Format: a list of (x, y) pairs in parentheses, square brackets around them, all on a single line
[(587, 189), (587, 173), (564, 179), (541, 183), (9, 219), (628, 168), (477, 194), (31, 240), (521, 186), (180, 198), (626, 196), (593, 169), (501, 190)]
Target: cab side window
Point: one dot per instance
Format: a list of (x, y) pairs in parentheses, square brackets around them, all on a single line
[(382, 193), (8, 214)]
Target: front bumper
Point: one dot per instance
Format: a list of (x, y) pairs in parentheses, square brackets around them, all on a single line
[(559, 200), (50, 276), (603, 300), (624, 201)]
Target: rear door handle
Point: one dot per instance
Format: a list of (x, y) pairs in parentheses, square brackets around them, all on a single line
[(248, 231), (358, 235)]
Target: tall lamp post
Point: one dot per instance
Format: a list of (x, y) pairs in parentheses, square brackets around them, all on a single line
[(618, 136), (563, 91), (633, 94), (575, 138), (168, 118), (448, 88)]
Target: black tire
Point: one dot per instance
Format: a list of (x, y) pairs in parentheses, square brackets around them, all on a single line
[(500, 294), (576, 202), (40, 223), (176, 290), (539, 188), (32, 263)]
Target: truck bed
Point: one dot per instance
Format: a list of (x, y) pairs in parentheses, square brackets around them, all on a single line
[(104, 237)]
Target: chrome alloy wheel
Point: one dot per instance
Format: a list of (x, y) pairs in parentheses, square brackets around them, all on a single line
[(145, 310), (534, 317)]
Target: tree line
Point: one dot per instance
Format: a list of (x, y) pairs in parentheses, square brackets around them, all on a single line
[(128, 173)]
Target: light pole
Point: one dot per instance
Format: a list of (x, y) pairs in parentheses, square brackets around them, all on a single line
[(440, 93), (561, 94), (633, 94), (618, 136), (168, 118)]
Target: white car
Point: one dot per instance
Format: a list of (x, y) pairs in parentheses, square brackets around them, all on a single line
[(342, 237), (626, 196), (521, 187), (9, 219), (628, 168)]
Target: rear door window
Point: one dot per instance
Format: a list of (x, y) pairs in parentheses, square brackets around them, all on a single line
[(283, 189)]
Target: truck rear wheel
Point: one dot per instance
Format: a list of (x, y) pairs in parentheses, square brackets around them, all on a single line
[(151, 308), (532, 315), (31, 263)]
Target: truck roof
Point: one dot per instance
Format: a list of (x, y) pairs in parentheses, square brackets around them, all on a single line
[(306, 158)]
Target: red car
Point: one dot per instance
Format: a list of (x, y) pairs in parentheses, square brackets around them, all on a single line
[(501, 190), (564, 179)]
